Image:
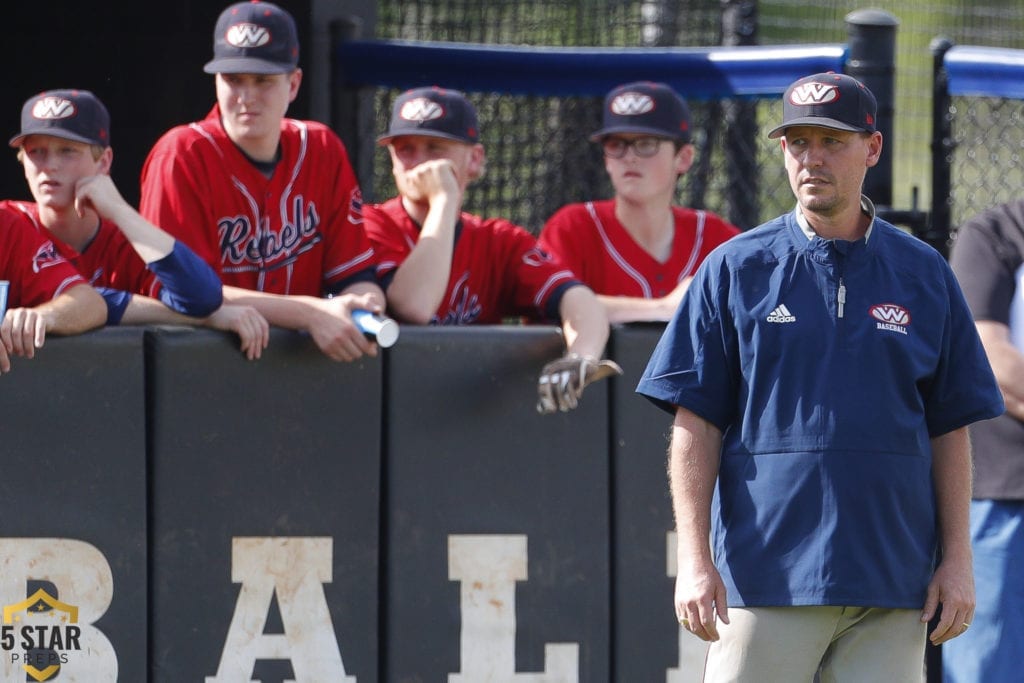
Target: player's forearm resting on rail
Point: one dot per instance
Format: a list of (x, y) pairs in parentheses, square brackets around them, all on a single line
[(584, 322)]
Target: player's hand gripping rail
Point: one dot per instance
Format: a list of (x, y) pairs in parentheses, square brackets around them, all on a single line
[(562, 381)]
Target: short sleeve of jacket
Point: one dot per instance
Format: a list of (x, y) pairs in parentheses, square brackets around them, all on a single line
[(987, 253), (695, 363), (963, 389)]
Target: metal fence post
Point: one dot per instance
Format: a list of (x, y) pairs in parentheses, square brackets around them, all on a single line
[(351, 109), (940, 226), (739, 27), (871, 35)]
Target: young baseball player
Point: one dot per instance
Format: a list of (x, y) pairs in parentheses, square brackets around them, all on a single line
[(41, 293), (270, 202), (638, 251), (443, 266), (144, 274)]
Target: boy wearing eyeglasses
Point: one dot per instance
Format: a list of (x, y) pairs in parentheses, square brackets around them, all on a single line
[(638, 251)]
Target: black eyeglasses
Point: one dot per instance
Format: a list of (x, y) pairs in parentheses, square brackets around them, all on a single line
[(645, 147)]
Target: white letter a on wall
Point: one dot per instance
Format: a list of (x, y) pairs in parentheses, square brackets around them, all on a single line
[(295, 569)]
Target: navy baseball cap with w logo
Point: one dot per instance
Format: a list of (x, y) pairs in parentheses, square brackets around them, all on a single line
[(646, 108), (829, 100), (254, 38), (433, 112), (70, 114)]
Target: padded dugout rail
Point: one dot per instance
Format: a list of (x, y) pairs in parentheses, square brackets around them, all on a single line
[(265, 510), (73, 491), (404, 518), (497, 517)]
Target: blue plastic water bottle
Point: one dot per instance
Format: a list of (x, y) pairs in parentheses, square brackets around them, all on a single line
[(378, 328)]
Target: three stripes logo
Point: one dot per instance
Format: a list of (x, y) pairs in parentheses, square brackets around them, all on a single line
[(632, 104), (421, 109), (247, 35), (51, 108), (814, 93), (781, 314)]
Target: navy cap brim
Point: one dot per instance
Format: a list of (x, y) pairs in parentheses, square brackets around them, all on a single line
[(637, 130), (53, 133), (819, 121), (247, 65), (425, 133)]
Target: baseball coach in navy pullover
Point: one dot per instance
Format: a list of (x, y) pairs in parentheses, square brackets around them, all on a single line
[(822, 370)]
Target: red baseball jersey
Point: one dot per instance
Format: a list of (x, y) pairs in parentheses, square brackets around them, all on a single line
[(298, 232), (498, 271), (30, 263), (590, 240), (108, 261)]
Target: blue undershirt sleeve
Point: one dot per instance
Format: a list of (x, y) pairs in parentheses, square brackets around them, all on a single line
[(117, 303), (190, 286)]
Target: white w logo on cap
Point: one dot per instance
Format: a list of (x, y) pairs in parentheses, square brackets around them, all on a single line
[(632, 104), (814, 93), (247, 35), (53, 108), (421, 109)]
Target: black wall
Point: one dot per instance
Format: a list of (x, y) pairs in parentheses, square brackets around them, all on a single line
[(427, 521)]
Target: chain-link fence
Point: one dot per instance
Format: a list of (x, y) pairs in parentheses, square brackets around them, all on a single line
[(988, 157), (987, 132), (538, 154)]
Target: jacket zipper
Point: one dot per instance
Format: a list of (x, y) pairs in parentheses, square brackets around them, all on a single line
[(841, 291), (841, 296)]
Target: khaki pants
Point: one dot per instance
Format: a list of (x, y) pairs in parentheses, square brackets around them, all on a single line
[(836, 644)]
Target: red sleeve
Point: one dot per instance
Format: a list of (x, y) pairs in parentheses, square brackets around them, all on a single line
[(348, 252), (538, 278), (123, 268), (30, 262), (560, 237), (717, 230), (391, 245), (173, 186)]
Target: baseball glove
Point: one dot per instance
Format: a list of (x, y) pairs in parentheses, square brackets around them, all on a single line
[(562, 381)]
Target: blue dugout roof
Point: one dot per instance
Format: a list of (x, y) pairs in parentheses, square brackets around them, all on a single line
[(697, 73), (985, 71)]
